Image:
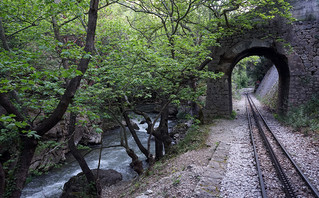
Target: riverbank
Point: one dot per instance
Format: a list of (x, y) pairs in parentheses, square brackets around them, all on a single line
[(224, 167), (196, 173)]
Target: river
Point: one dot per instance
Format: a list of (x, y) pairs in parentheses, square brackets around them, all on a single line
[(50, 185)]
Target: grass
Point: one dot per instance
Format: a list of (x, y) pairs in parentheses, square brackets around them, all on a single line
[(233, 115), (195, 139), (304, 117)]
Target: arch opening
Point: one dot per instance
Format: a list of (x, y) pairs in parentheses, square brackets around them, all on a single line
[(281, 64)]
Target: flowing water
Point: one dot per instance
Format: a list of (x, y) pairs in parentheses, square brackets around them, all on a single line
[(50, 185)]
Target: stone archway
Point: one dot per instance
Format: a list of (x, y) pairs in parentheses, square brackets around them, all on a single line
[(292, 47), (219, 91)]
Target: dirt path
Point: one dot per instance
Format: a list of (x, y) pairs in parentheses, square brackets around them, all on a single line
[(225, 168)]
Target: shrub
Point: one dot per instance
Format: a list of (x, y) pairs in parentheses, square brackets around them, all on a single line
[(305, 116)]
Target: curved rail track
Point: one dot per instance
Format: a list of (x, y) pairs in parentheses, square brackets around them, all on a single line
[(285, 167)]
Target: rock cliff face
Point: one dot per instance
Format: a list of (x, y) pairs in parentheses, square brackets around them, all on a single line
[(306, 9), (53, 147), (268, 88)]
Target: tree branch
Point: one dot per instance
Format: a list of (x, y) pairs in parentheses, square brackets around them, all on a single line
[(70, 91), (40, 18), (9, 107), (3, 37)]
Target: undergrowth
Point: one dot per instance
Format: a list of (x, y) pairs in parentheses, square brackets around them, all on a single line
[(304, 117), (195, 139)]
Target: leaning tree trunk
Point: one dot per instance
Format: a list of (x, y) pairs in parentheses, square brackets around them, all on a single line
[(80, 159), (28, 146), (136, 138)]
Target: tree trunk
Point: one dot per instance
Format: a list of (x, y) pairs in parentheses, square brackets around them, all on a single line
[(136, 164), (80, 159), (56, 30), (2, 181), (3, 37), (162, 132), (195, 108), (136, 138), (158, 149), (28, 146)]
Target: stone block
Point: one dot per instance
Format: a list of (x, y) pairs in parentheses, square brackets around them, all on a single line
[(316, 61)]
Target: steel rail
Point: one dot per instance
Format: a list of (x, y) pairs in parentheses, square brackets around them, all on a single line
[(302, 175), (289, 191), (261, 181)]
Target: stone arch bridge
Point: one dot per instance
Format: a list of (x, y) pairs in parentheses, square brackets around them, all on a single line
[(297, 64)]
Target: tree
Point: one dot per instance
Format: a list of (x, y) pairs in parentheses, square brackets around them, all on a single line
[(145, 65), (28, 132)]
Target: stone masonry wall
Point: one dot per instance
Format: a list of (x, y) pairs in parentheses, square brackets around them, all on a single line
[(293, 48), (304, 62)]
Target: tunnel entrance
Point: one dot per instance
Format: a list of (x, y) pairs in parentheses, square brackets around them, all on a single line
[(249, 68), (256, 74), (249, 73), (219, 91)]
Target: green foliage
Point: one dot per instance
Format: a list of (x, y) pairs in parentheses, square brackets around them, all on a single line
[(132, 68), (10, 129), (243, 75), (305, 117), (48, 144), (82, 147), (176, 180), (233, 115)]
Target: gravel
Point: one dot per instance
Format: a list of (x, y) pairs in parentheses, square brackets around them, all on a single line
[(303, 149), (241, 178), (192, 173)]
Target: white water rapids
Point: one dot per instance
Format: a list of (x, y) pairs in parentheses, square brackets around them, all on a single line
[(50, 185)]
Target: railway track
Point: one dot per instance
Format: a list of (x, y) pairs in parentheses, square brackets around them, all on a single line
[(279, 175)]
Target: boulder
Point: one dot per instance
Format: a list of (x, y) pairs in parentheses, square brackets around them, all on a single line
[(52, 149), (135, 126), (143, 122), (90, 136), (109, 124), (78, 186), (179, 131), (172, 110)]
